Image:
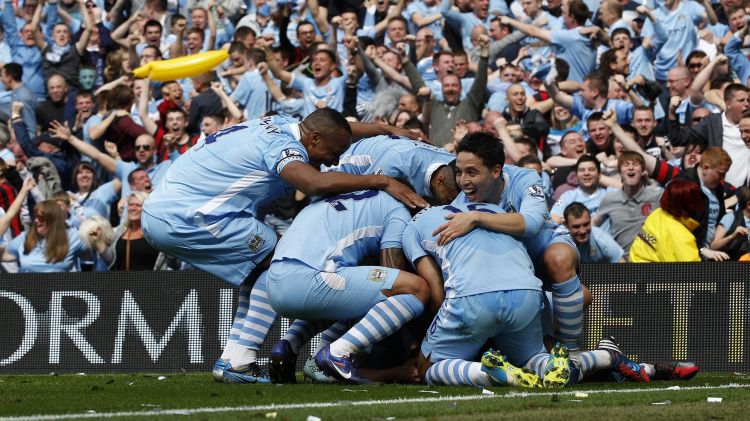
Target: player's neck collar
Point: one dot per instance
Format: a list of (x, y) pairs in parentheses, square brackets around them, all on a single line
[(296, 132)]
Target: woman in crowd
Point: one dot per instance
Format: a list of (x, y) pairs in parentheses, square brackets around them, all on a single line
[(49, 245), (667, 234), (130, 250)]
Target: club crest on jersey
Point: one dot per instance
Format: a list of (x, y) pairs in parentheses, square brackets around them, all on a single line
[(376, 275), (255, 243), (536, 191)]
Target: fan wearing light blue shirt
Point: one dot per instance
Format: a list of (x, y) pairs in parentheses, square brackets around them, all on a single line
[(588, 191), (210, 197), (49, 245), (464, 23), (483, 178), (572, 46), (594, 244), (680, 21), (251, 92), (591, 99), (323, 89)]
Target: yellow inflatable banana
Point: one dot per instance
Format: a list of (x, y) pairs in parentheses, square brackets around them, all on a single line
[(181, 67)]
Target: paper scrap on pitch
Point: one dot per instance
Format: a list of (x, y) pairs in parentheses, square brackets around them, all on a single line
[(429, 391), (714, 400), (488, 392), (582, 395)]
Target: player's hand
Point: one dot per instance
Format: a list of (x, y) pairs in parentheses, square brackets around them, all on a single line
[(458, 225), (404, 194), (336, 21), (741, 232), (398, 131), (721, 59)]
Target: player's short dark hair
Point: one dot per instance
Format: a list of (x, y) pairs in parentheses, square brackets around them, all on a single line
[(529, 159), (563, 69), (575, 209), (588, 158), (14, 70), (327, 120), (484, 145)]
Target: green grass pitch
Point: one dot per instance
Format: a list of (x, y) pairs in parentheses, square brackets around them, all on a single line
[(197, 397)]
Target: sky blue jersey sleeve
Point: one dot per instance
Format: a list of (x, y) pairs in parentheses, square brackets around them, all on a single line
[(396, 223), (533, 203), (412, 243)]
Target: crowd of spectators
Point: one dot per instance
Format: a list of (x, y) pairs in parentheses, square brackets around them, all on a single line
[(635, 114)]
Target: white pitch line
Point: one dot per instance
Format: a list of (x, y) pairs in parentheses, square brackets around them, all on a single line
[(313, 405)]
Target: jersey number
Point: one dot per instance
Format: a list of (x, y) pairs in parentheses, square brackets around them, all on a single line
[(214, 137), (335, 201), (471, 206)]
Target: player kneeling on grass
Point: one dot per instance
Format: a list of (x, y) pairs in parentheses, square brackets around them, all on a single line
[(491, 292), (314, 274)]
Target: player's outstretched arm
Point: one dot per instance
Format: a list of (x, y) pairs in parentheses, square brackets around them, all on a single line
[(315, 183), (363, 130)]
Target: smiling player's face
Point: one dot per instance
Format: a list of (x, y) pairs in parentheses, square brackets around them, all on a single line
[(478, 182)]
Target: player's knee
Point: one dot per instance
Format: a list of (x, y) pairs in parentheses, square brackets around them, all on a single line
[(560, 260), (407, 283)]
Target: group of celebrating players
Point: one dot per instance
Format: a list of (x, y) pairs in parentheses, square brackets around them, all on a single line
[(481, 277)]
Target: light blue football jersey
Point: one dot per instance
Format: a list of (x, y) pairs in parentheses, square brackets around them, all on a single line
[(478, 262), (231, 172), (341, 230), (523, 193), (397, 157)]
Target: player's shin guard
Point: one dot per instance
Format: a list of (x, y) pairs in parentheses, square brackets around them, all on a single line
[(381, 321), (567, 302), (259, 319), (457, 373)]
